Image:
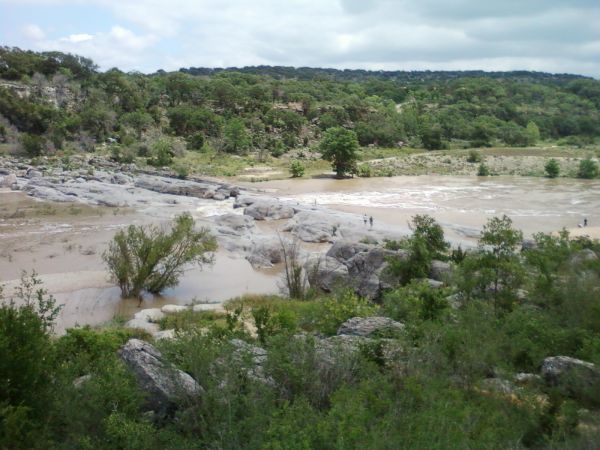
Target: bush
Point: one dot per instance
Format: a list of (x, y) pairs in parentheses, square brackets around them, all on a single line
[(483, 171), (364, 171), (196, 141), (474, 157), (296, 169), (552, 168), (152, 259), (27, 363), (162, 153), (32, 144), (587, 169), (341, 307)]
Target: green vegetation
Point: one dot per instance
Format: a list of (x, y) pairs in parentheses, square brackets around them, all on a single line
[(340, 146), (483, 170), (449, 370), (152, 259), (587, 169), (261, 114), (552, 168), (297, 169)]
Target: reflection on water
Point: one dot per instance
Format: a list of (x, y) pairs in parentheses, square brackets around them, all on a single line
[(226, 279)]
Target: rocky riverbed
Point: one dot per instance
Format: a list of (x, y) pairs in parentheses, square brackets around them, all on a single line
[(58, 221)]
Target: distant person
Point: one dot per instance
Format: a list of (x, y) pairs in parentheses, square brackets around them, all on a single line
[(365, 219), (585, 222), (371, 221)]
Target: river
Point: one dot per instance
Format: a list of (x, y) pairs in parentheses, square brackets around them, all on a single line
[(64, 245)]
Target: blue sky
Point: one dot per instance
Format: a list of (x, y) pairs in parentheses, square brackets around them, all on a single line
[(146, 35)]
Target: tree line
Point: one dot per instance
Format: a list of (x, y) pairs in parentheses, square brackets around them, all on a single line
[(52, 100)]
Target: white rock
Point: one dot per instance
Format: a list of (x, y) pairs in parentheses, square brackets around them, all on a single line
[(150, 314), (172, 309)]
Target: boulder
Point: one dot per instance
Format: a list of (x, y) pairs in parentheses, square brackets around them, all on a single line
[(166, 387), (309, 226), (326, 273), (440, 270), (583, 256), (344, 250), (252, 356), (8, 180), (241, 201), (269, 210), (574, 376), (31, 173), (265, 252), (235, 224), (369, 326), (173, 309)]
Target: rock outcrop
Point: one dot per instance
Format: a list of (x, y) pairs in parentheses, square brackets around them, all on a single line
[(369, 326), (269, 210), (166, 387), (576, 377)]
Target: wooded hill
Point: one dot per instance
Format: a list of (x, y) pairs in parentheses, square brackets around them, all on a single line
[(51, 100)]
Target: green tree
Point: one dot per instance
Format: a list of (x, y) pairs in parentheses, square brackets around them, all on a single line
[(532, 132), (236, 137), (296, 169), (587, 169), (495, 270), (152, 259), (552, 168), (340, 146)]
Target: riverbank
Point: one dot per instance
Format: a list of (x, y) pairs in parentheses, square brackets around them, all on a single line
[(57, 223)]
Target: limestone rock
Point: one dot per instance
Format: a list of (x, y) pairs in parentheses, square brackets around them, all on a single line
[(235, 224), (368, 326), (167, 388), (269, 210), (173, 309), (327, 273), (8, 180), (440, 270), (575, 376)]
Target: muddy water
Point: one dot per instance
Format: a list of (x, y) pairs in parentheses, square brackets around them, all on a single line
[(64, 243), (461, 204)]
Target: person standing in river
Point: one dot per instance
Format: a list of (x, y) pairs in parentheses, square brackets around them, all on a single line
[(365, 219), (371, 221)]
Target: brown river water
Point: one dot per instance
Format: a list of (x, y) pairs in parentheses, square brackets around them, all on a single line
[(64, 243)]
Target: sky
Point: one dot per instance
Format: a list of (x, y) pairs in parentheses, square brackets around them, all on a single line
[(558, 36)]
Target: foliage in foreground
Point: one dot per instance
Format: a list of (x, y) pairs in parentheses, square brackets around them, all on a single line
[(152, 259), (424, 387)]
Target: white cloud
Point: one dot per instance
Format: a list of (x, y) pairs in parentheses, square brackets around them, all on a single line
[(119, 47), (33, 32), (76, 38), (550, 35)]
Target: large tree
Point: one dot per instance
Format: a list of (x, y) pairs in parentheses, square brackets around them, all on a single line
[(340, 146)]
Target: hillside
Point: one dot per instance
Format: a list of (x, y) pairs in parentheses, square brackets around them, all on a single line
[(52, 101)]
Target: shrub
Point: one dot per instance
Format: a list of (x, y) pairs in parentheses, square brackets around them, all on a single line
[(483, 170), (296, 169), (26, 365), (196, 141), (474, 157), (162, 151), (153, 259), (587, 169), (364, 171), (32, 144), (340, 307), (552, 168)]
